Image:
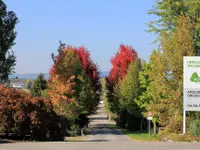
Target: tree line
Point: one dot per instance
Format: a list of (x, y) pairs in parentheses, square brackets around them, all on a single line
[(61, 105), (53, 108), (135, 86)]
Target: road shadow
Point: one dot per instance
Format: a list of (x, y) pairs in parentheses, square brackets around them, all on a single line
[(105, 131), (98, 141), (88, 141), (3, 141), (98, 118)]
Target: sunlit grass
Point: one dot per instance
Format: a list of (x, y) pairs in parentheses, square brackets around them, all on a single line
[(142, 136), (136, 135)]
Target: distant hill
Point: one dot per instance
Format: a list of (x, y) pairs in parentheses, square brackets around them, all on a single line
[(27, 76), (104, 73), (34, 76)]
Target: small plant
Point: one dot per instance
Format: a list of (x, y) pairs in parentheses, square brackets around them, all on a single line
[(194, 127)]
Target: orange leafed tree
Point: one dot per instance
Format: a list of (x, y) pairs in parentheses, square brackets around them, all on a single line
[(74, 84), (63, 88)]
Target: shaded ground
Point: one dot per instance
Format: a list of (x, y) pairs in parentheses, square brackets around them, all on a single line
[(102, 137)]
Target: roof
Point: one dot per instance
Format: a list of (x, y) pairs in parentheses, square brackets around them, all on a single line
[(18, 81)]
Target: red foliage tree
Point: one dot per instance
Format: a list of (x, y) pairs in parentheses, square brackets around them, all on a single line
[(25, 115), (120, 63), (90, 68)]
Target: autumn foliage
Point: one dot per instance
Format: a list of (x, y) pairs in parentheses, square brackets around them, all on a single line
[(74, 83), (24, 115), (90, 68), (120, 63), (62, 83), (88, 65)]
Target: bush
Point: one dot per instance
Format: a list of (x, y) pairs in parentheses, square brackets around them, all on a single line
[(25, 115), (177, 137), (194, 127), (175, 125), (12, 111)]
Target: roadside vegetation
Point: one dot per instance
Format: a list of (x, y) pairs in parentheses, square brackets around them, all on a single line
[(48, 109), (135, 87)]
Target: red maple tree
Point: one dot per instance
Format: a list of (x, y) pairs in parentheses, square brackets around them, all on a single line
[(120, 63), (90, 68)]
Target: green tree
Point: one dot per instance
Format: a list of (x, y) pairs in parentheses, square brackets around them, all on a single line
[(129, 87), (168, 12), (128, 92), (28, 84), (38, 85), (8, 21), (45, 93), (104, 94), (144, 78), (166, 74)]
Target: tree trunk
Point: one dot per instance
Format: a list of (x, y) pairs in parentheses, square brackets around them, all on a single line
[(109, 117), (6, 134), (141, 124), (82, 133), (154, 128)]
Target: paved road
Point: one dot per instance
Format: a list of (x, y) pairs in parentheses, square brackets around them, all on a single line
[(103, 138), (100, 128)]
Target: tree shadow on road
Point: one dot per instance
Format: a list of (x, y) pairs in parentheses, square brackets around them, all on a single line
[(2, 141), (98, 118)]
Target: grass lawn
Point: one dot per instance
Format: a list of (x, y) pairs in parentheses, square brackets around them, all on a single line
[(136, 135), (27, 91), (76, 139), (141, 136)]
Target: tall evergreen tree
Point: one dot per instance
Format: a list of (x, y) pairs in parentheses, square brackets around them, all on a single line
[(8, 21), (39, 85)]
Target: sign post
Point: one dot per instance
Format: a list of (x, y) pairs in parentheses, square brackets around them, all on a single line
[(149, 118), (191, 86), (184, 120)]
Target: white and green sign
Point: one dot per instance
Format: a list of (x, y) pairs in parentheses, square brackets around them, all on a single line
[(191, 83)]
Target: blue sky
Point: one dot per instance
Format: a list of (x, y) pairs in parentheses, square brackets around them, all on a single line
[(99, 25)]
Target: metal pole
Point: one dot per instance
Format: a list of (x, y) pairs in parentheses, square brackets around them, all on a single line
[(184, 120), (149, 129)]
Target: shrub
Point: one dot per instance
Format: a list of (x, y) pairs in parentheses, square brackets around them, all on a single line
[(12, 110), (194, 127), (175, 125), (25, 115), (177, 137)]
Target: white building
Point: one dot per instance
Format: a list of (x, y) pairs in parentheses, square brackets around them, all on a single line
[(18, 83)]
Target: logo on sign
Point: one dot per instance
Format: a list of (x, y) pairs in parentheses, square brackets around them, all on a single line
[(195, 77)]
